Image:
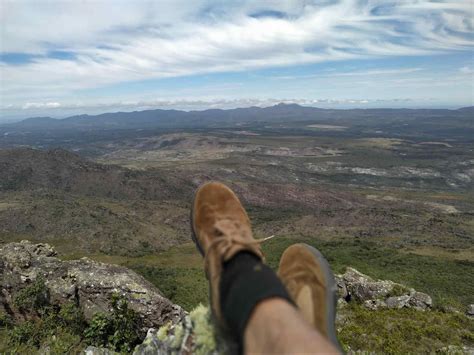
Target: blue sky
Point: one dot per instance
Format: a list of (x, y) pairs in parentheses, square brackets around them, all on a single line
[(59, 58)]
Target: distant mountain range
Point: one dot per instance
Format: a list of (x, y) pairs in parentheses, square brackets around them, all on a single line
[(174, 118)]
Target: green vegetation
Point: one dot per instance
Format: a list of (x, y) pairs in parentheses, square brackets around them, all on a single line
[(446, 280), (34, 297), (179, 275), (398, 290), (184, 286), (118, 330), (60, 329), (400, 331), (63, 329)]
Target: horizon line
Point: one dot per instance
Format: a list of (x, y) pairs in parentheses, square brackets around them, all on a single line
[(240, 107)]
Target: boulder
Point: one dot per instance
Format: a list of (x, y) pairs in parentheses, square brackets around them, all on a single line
[(374, 304), (342, 292), (420, 301), (89, 284), (362, 287), (470, 310), (397, 302), (374, 294)]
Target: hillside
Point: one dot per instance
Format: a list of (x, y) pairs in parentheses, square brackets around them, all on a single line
[(392, 198), (31, 170), (55, 195), (58, 196)]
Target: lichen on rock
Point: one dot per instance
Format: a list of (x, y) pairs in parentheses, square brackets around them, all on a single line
[(85, 282), (203, 330), (194, 334), (374, 294)]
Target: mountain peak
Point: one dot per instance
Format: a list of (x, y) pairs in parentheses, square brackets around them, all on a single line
[(287, 105)]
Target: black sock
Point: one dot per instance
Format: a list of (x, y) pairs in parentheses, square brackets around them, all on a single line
[(246, 281)]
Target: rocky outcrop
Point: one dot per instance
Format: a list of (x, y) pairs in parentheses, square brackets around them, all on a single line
[(94, 350), (195, 334), (88, 283), (470, 310), (168, 328), (374, 294)]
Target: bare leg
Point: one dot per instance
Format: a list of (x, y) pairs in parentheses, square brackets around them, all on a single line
[(276, 327)]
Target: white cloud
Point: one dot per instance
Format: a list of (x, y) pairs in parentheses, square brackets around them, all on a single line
[(332, 74), (35, 105), (467, 70), (190, 104), (379, 72), (122, 41)]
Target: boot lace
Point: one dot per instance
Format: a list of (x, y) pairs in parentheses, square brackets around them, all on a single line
[(228, 235)]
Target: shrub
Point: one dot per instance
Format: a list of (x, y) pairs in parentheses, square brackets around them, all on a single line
[(24, 333), (97, 333), (34, 297), (59, 328), (402, 331), (63, 342), (398, 290), (119, 330), (71, 316), (5, 320), (63, 329)]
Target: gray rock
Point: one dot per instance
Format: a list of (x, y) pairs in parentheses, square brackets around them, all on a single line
[(362, 287), (151, 345), (420, 301), (470, 310), (398, 302), (375, 304), (341, 287), (93, 350), (88, 283), (375, 294), (195, 334)]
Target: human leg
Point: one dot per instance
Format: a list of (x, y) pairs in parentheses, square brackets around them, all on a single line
[(245, 293), (278, 327)]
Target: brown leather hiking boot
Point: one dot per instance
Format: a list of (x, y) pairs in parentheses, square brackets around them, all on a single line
[(220, 228), (310, 282)]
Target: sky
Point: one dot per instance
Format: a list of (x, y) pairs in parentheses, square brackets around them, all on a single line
[(59, 58)]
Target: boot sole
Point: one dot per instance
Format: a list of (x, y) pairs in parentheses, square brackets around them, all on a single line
[(331, 294), (193, 232)]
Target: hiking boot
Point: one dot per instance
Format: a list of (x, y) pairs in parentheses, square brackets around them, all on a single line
[(220, 229), (310, 282)]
